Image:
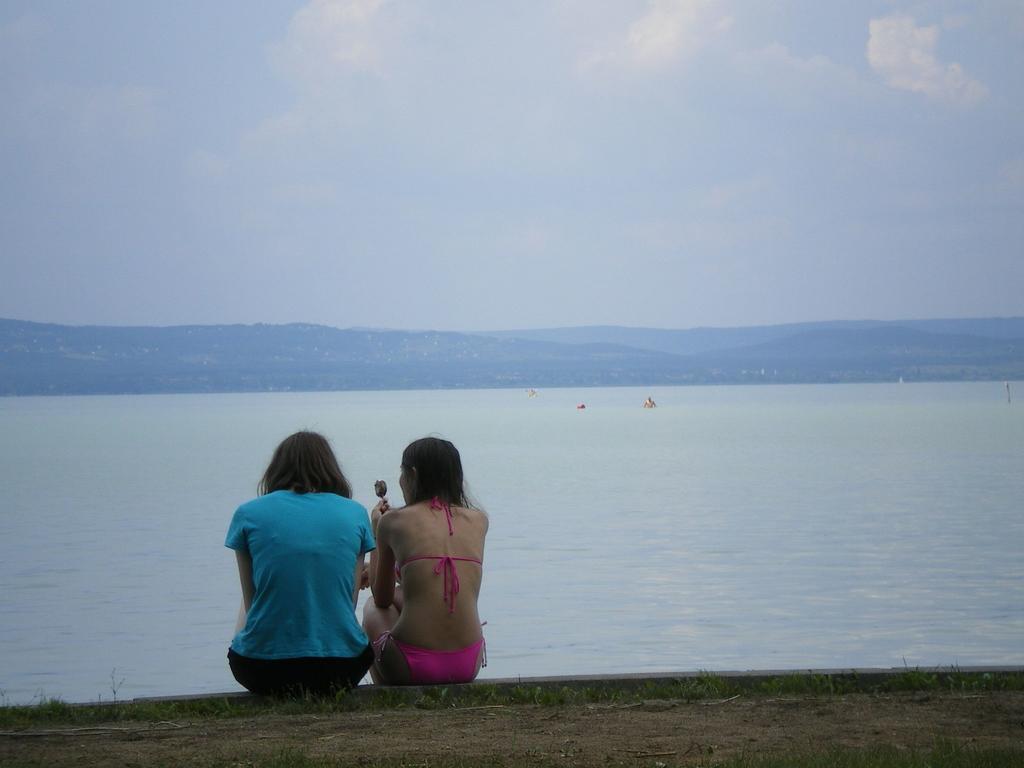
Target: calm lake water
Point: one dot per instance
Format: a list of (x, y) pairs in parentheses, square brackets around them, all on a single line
[(730, 528)]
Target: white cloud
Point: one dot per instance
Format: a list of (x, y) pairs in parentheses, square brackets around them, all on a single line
[(777, 63), (904, 55), (668, 32), (778, 55), (327, 44), (330, 38), (801, 82)]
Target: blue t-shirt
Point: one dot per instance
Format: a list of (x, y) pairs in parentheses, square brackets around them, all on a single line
[(304, 549)]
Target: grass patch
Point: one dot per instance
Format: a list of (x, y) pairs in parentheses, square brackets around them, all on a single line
[(702, 687), (57, 712), (811, 685), (952, 680)]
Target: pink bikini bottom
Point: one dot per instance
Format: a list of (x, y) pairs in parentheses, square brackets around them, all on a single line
[(427, 666)]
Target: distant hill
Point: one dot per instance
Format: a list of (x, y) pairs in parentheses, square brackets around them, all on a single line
[(41, 358), (884, 353), (694, 341)]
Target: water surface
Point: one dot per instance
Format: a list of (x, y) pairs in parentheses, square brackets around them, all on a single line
[(730, 528)]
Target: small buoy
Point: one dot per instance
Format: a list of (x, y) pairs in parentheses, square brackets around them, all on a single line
[(581, 407)]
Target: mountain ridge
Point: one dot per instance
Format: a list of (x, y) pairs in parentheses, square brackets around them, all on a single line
[(48, 358), (710, 338)]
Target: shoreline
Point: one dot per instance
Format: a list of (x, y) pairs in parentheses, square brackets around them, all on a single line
[(1015, 381), (852, 678)]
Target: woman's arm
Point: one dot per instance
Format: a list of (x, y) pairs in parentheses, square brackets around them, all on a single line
[(382, 564), (375, 515), (245, 577), (357, 581)]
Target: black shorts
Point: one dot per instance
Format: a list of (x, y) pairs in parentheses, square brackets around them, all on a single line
[(310, 674)]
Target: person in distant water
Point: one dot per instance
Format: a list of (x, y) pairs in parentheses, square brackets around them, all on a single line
[(649, 403), (428, 629), (300, 548)]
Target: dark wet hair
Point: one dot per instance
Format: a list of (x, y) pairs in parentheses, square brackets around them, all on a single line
[(305, 463), (438, 471)]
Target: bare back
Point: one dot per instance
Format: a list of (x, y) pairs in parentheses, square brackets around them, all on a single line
[(441, 571)]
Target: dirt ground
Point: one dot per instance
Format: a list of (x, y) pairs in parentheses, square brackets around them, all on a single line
[(653, 733)]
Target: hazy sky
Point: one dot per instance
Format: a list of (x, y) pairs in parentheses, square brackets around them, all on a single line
[(475, 165)]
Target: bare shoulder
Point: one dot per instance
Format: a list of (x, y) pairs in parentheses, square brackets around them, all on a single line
[(477, 516), (405, 520), (395, 516), (394, 519)]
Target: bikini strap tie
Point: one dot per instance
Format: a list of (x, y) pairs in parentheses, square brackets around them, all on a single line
[(436, 503), (446, 565)]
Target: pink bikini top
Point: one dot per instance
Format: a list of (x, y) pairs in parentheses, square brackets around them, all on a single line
[(445, 563)]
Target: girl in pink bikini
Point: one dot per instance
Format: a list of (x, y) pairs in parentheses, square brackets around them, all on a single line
[(426, 629)]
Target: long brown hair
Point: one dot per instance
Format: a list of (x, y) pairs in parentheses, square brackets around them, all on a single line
[(438, 471), (305, 463)]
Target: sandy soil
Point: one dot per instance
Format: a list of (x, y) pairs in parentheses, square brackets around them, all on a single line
[(640, 734)]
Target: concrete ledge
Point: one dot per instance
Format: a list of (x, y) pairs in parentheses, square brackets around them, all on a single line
[(862, 678), (740, 678)]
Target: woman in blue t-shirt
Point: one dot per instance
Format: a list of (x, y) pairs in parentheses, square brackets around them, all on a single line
[(300, 547)]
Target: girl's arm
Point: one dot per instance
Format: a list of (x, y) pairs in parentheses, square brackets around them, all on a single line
[(382, 564), (375, 515), (357, 580), (245, 577)]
